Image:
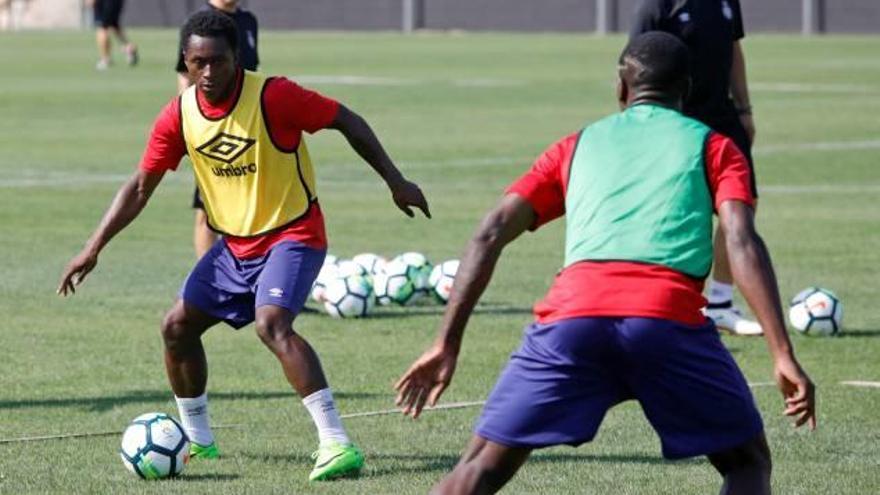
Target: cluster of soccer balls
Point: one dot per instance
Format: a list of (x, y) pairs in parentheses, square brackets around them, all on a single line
[(352, 288)]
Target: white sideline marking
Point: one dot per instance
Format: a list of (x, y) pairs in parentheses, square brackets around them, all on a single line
[(794, 87), (91, 434), (385, 412), (761, 384), (857, 383), (821, 146)]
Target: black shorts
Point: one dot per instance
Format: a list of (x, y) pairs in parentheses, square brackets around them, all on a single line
[(732, 127), (107, 13), (197, 200)]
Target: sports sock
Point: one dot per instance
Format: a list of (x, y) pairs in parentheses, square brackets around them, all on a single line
[(194, 416), (326, 418), (720, 294)]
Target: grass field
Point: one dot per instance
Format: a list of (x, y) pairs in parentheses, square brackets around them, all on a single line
[(462, 115)]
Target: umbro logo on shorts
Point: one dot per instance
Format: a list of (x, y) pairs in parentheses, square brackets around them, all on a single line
[(225, 147), (276, 292)]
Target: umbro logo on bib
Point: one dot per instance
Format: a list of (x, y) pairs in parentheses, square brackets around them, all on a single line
[(225, 147)]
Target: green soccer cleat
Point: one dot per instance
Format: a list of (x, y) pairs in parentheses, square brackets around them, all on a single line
[(204, 451), (335, 460)]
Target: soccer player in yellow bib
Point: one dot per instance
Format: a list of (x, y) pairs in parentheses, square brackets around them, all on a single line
[(243, 133)]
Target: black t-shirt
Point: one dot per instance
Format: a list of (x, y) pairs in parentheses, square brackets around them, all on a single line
[(709, 28), (247, 39)]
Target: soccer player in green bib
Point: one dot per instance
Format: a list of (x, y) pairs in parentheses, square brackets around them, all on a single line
[(622, 319), (244, 135)]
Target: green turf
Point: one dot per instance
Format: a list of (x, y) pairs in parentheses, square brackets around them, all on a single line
[(465, 115)]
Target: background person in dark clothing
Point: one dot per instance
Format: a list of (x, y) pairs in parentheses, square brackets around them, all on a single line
[(246, 23), (107, 13), (719, 97)]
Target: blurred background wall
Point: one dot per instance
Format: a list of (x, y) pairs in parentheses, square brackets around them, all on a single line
[(808, 16)]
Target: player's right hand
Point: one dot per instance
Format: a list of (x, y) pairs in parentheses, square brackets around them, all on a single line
[(425, 380), (798, 391), (76, 272)]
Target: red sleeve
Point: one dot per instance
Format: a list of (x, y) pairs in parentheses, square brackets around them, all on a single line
[(728, 171), (165, 147), (543, 186), (290, 107)]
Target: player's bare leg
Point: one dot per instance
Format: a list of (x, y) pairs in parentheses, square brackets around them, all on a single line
[(485, 467), (336, 456), (746, 469), (299, 361), (131, 53), (203, 236), (187, 370), (185, 359), (102, 39)]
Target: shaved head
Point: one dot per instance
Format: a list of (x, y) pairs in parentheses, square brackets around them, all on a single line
[(655, 66)]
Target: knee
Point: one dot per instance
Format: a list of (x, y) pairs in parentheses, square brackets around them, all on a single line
[(272, 330), (175, 331)]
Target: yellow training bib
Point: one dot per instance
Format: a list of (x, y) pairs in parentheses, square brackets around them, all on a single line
[(249, 185)]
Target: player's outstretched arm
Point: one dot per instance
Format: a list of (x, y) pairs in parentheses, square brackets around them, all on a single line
[(429, 376), (361, 137), (753, 273), (127, 204)]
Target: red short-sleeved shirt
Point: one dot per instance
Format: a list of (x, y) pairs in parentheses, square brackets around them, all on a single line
[(623, 288), (290, 110)]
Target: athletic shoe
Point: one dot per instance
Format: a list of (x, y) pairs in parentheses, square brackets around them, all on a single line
[(131, 55), (730, 319), (102, 65), (335, 460), (204, 451)]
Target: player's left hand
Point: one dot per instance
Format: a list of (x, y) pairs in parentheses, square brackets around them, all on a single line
[(425, 380), (407, 194), (798, 391), (748, 124), (76, 272)]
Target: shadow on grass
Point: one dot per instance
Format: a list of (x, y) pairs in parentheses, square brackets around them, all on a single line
[(220, 478), (855, 333), (442, 463), (105, 403)]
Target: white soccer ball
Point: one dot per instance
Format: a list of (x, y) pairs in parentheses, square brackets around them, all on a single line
[(154, 446), (328, 272), (422, 269), (397, 284), (349, 297), (816, 311), (442, 278), (329, 259), (348, 268), (372, 263)]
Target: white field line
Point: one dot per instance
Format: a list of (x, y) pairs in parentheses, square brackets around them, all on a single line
[(352, 80), (795, 87), (761, 384), (872, 144), (53, 179), (858, 383), (91, 434), (441, 407)]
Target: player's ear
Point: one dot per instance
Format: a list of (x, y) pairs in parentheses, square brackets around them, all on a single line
[(622, 91)]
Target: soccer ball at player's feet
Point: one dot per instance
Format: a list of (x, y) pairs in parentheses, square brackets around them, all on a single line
[(422, 266), (349, 297), (397, 284), (154, 446), (816, 311), (730, 319), (442, 278)]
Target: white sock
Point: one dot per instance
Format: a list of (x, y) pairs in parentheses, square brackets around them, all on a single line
[(719, 292), (194, 416), (326, 418)]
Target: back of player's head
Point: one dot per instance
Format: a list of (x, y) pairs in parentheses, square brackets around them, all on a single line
[(656, 62), (210, 24)]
